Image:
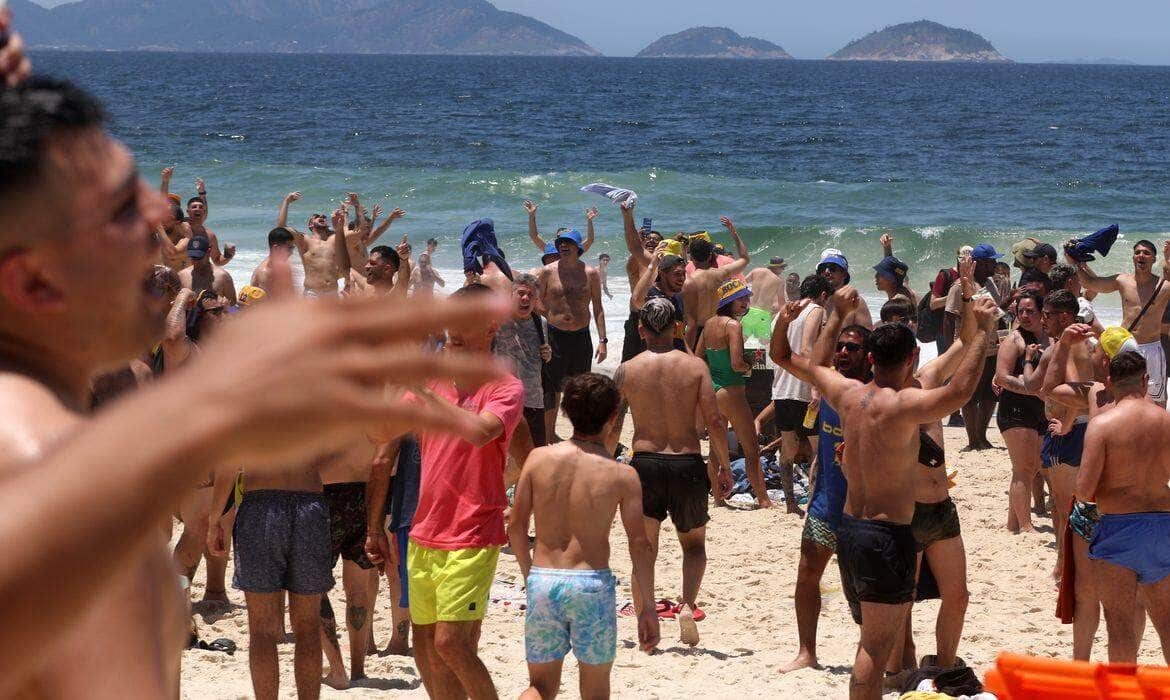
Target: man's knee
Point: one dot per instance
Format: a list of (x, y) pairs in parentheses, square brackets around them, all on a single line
[(694, 550), (453, 644)]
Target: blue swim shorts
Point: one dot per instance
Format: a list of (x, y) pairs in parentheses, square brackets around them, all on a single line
[(571, 609), (1136, 541)]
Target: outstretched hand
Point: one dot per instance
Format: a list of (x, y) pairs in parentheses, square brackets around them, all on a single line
[(403, 249), (591, 213), (14, 65), (628, 205), (292, 197), (530, 207), (728, 224)]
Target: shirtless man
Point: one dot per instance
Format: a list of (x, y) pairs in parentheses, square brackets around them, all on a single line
[(826, 505), (1125, 470), (701, 292), (602, 267), (641, 244), (60, 329), (205, 278), (567, 289), (767, 283), (318, 256), (180, 228), (281, 538), (1144, 298), (574, 489), (667, 455), (876, 549), (197, 217), (835, 268), (361, 233), (427, 276), (386, 270), (280, 246)]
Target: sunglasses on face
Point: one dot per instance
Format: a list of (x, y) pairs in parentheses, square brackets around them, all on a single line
[(849, 347)]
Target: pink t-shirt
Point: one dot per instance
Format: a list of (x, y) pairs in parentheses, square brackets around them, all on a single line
[(461, 497)]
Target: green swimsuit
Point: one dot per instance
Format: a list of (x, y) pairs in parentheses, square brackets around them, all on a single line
[(722, 375)]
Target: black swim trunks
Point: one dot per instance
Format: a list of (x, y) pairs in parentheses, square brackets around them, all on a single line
[(674, 484), (1018, 411), (572, 354), (282, 543), (984, 392), (935, 522), (877, 559), (790, 415), (632, 342), (347, 522)]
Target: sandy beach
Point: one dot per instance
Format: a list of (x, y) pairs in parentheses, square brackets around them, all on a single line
[(750, 631)]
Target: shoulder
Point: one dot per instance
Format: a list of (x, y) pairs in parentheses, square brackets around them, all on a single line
[(34, 419)]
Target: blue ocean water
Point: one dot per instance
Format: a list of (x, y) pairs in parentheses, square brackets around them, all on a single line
[(802, 154)]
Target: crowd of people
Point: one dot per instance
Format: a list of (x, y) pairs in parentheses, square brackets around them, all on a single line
[(364, 420)]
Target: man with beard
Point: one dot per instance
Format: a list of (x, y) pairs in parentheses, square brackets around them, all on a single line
[(73, 301), (318, 253), (835, 268), (1144, 298)]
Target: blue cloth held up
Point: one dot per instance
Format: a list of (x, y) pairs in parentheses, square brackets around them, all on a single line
[(479, 246)]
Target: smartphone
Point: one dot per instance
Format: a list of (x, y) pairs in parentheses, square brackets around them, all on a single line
[(647, 224)]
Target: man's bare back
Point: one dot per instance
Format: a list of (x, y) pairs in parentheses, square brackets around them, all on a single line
[(663, 389), (578, 492), (767, 289), (142, 606), (1134, 437)]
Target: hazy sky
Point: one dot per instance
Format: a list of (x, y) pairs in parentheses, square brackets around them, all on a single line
[(1024, 30)]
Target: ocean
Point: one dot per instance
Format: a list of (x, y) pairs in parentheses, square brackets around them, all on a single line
[(803, 155)]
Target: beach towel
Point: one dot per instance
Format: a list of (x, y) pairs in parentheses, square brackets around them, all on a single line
[(1082, 249), (479, 245), (617, 194)]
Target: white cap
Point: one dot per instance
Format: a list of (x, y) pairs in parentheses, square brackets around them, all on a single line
[(831, 252)]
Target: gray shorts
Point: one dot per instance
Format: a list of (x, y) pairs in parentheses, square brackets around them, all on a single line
[(282, 542)]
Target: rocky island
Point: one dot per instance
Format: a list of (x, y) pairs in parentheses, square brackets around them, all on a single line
[(465, 27), (711, 42), (920, 41)]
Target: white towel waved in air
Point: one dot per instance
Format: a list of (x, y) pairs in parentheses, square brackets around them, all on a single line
[(617, 194)]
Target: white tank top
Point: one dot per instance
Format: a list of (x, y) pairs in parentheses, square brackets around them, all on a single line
[(784, 385)]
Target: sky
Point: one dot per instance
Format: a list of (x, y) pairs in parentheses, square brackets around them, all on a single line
[(1023, 30)]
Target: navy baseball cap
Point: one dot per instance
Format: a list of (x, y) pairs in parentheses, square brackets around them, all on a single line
[(197, 247), (893, 268), (985, 251)]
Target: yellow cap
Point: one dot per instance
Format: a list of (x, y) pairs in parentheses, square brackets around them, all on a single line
[(699, 236), (250, 294), (1116, 340), (671, 247)]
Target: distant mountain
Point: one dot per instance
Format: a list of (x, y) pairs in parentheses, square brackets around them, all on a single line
[(920, 41), (711, 42), (472, 27)]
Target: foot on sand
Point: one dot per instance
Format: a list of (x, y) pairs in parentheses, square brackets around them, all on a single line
[(397, 647), (795, 510), (688, 630), (215, 597), (336, 680), (804, 659)]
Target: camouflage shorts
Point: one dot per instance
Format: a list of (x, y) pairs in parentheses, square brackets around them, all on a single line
[(817, 530)]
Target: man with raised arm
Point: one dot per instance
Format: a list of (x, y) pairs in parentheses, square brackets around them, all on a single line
[(1125, 469), (318, 253), (361, 233), (1144, 298), (826, 505), (196, 219), (205, 278), (876, 549), (574, 489), (701, 292), (568, 287), (542, 245), (426, 277), (60, 328), (667, 454)]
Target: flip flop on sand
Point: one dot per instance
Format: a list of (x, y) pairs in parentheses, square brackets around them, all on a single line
[(627, 610), (665, 609), (699, 614), (226, 646)]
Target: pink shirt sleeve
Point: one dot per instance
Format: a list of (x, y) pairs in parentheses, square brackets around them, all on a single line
[(505, 401)]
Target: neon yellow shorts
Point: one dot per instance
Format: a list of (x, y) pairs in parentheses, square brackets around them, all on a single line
[(449, 586)]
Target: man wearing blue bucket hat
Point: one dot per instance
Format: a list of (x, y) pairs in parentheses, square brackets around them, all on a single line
[(977, 412), (835, 268), (567, 289)]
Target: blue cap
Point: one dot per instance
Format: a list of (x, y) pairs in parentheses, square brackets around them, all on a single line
[(839, 261), (197, 247), (571, 235), (550, 248), (985, 251), (893, 268)]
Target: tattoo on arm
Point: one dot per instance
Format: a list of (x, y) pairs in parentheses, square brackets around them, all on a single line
[(619, 377)]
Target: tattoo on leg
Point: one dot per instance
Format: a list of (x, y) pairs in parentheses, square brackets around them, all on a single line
[(331, 632), (357, 616), (402, 628)]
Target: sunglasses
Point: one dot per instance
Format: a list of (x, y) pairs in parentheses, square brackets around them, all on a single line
[(849, 347)]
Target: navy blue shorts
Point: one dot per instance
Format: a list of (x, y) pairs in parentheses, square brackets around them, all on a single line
[(282, 542), (401, 538), (1064, 449)]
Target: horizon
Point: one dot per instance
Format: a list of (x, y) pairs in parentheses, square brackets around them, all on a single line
[(1041, 32)]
